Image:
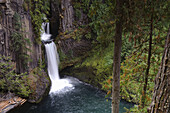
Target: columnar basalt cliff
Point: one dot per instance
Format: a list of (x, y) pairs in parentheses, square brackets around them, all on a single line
[(7, 28), (29, 51), (54, 18), (73, 41), (67, 15), (69, 24)]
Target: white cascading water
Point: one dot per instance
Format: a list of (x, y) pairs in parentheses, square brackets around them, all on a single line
[(48, 28), (57, 84)]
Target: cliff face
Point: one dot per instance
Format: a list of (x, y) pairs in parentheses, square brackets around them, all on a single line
[(67, 15), (7, 11), (10, 11), (73, 42), (69, 25), (54, 18)]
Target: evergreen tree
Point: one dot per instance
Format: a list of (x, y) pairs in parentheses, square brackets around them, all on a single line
[(161, 96), (117, 57)]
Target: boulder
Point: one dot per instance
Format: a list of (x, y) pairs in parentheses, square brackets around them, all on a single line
[(39, 84)]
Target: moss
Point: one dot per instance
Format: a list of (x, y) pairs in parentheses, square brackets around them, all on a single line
[(39, 84), (68, 62), (93, 68), (25, 6), (38, 10), (85, 74), (21, 44), (12, 82)]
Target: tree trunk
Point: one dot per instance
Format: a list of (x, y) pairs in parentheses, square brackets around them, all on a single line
[(148, 63), (117, 58), (161, 95)]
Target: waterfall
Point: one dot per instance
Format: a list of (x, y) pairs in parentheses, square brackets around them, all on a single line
[(44, 35), (53, 60), (48, 28), (57, 84)]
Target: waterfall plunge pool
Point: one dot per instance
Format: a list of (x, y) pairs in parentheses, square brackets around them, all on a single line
[(68, 95), (77, 98)]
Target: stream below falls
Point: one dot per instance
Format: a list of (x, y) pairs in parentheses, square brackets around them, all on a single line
[(77, 98)]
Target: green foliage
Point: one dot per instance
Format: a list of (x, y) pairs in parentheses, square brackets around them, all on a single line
[(135, 45), (81, 5), (101, 61), (10, 81), (127, 48), (20, 45), (133, 69), (136, 109), (38, 11), (101, 23)]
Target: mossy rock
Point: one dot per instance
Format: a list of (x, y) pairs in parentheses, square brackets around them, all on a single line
[(84, 74), (39, 84)]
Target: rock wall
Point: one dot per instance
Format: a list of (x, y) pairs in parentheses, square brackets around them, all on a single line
[(69, 24), (7, 11), (69, 19), (54, 18), (76, 50), (40, 82), (67, 15)]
